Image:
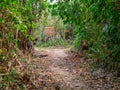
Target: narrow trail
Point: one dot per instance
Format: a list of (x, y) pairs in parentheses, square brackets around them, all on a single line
[(58, 73), (56, 69), (60, 67)]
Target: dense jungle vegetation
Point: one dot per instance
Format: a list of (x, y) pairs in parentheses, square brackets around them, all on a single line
[(17, 23), (98, 23), (95, 22)]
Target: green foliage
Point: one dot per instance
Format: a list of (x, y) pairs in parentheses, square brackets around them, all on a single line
[(53, 42), (17, 23), (8, 80), (50, 21), (95, 21)]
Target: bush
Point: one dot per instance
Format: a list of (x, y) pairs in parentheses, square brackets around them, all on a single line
[(96, 22)]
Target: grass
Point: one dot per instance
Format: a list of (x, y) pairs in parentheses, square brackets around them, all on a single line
[(55, 42)]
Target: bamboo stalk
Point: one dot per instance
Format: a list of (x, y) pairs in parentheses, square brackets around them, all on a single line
[(0, 43)]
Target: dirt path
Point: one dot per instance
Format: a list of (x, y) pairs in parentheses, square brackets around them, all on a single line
[(56, 72), (55, 69), (60, 67)]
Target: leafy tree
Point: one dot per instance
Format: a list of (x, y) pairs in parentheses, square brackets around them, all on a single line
[(96, 22), (17, 23)]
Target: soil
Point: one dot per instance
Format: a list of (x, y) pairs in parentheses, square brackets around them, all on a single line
[(59, 70), (55, 71)]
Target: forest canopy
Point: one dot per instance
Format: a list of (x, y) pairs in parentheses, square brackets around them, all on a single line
[(95, 21)]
